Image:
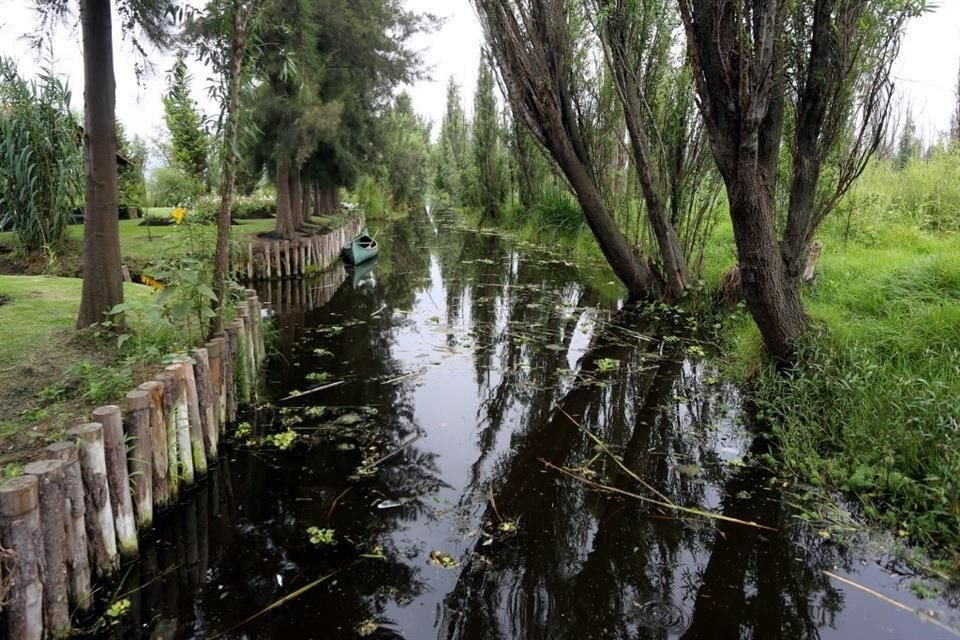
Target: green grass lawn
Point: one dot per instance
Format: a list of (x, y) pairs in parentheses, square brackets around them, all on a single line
[(50, 375)]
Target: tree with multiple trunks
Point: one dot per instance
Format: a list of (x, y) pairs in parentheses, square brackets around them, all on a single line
[(666, 144), (548, 74), (795, 98), (349, 64)]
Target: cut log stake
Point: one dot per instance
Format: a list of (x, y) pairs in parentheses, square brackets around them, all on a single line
[(50, 484), (137, 424), (118, 478), (160, 464), (222, 374), (101, 536), (171, 393), (232, 363), (20, 532), (205, 397), (215, 353), (196, 421), (74, 512), (182, 425)]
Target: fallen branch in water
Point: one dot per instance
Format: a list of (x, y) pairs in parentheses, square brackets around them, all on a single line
[(899, 605), (394, 452), (284, 600), (405, 376), (314, 390), (336, 500), (666, 505), (603, 447), (493, 503)]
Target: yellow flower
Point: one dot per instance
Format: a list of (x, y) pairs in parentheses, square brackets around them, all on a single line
[(147, 280), (178, 214)]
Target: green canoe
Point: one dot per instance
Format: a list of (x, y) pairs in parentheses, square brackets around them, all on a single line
[(360, 249)]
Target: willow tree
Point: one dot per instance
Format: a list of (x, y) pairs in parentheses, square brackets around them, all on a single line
[(813, 77), (222, 34), (145, 21), (544, 69), (665, 140)]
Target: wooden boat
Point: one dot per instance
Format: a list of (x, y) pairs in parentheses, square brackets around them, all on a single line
[(360, 249)]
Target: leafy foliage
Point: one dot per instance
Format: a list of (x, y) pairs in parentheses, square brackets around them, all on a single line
[(188, 138), (488, 182), (171, 186), (405, 156), (41, 159)]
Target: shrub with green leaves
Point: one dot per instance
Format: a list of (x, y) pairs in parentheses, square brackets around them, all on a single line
[(41, 158), (171, 187)]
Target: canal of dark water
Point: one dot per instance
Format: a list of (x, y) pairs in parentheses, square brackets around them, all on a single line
[(427, 463)]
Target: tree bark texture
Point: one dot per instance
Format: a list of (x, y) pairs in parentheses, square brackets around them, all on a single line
[(296, 197), (102, 282), (78, 565), (50, 482), (286, 227)]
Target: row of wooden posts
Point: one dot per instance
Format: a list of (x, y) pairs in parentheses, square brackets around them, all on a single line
[(71, 518), (279, 259)]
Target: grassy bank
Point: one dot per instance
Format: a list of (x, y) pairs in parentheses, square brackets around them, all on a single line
[(51, 376), (874, 407), (139, 244)]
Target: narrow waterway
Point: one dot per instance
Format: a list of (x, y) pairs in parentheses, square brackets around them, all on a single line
[(445, 462)]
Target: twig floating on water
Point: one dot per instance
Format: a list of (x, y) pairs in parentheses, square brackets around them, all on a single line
[(377, 312), (665, 505), (899, 605), (405, 376), (314, 390), (603, 447), (333, 505), (287, 598), (394, 452)]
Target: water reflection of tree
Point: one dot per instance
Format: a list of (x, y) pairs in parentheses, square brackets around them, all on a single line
[(582, 562)]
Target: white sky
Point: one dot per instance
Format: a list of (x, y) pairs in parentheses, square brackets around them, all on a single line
[(926, 71)]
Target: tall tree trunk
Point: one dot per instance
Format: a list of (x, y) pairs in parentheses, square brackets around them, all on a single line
[(675, 269), (102, 280), (305, 206), (772, 297), (285, 222), (635, 273), (222, 257), (296, 199), (317, 200)]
